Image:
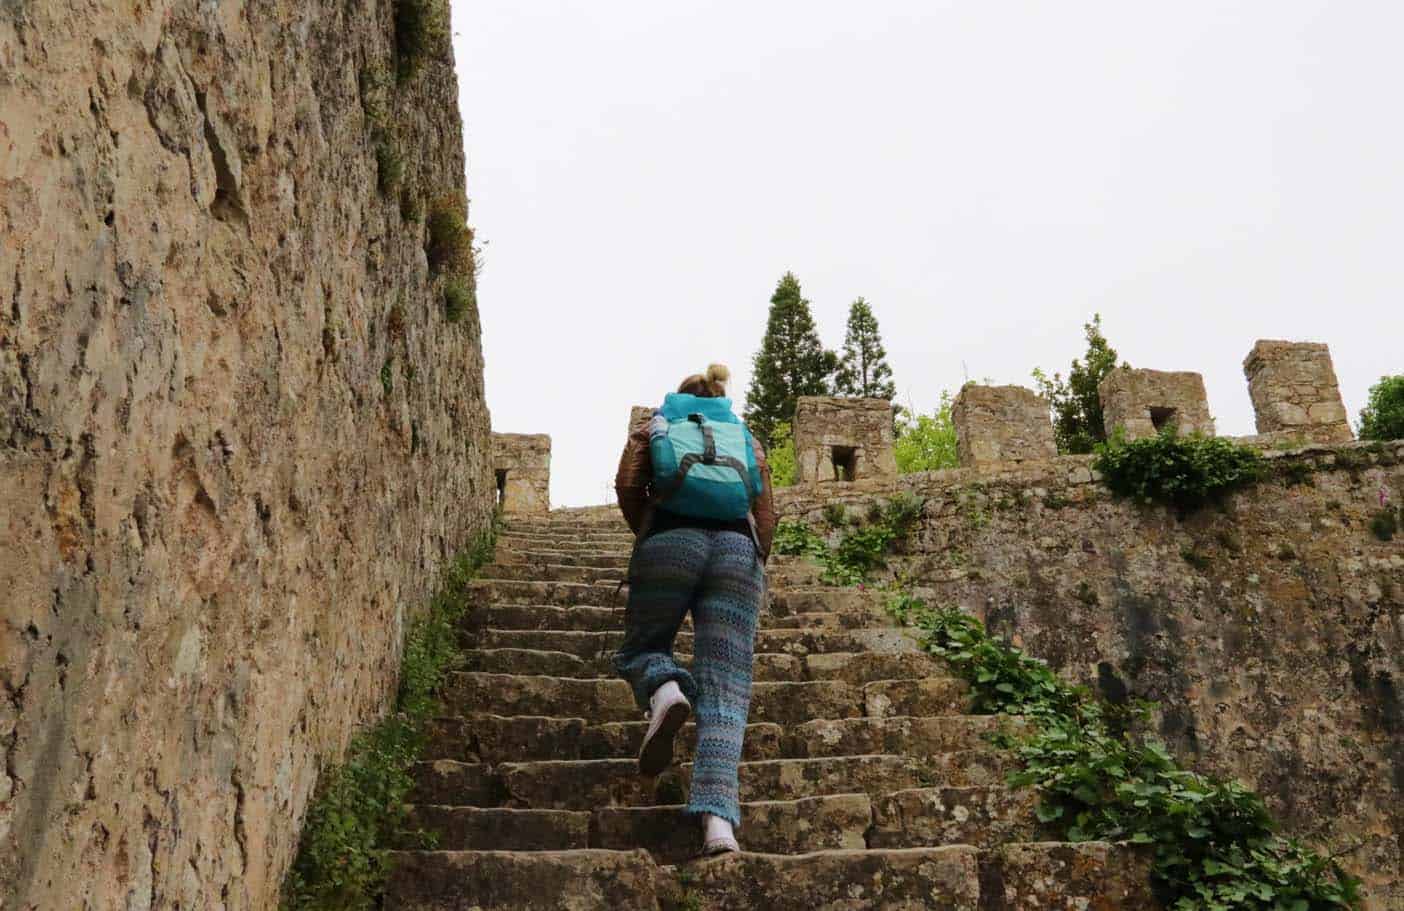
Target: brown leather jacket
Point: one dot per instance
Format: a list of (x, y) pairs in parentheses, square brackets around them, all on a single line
[(635, 475)]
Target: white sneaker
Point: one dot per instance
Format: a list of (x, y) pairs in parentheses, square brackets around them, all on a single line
[(717, 836), (668, 711)]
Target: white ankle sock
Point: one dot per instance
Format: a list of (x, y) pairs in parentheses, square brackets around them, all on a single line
[(714, 827), (667, 693)]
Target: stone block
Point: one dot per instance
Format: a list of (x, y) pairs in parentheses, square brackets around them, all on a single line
[(1001, 424), (522, 465), (1295, 393), (1142, 402), (843, 439)]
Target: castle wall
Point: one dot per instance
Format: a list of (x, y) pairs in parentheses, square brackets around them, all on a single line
[(237, 436), (1269, 631)]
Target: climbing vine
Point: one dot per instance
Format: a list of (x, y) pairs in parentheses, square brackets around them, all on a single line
[(860, 550), (360, 805), (1216, 846)]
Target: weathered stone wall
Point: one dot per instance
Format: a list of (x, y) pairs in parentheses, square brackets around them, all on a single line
[(1001, 424), (522, 462), (1295, 394), (848, 437), (1139, 403), (237, 436), (1270, 631)]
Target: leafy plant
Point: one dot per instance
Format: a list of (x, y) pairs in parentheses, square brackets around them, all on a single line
[(861, 550), (1384, 525), (421, 31), (450, 240), (1184, 472), (1215, 845), (781, 456), (390, 166), (459, 298), (836, 514), (925, 442), (343, 855), (387, 377), (1382, 418), (1077, 408)]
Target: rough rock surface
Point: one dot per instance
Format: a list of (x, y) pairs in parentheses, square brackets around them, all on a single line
[(1001, 424), (1140, 403), (1294, 391), (844, 439), (1269, 630), (237, 435), (522, 465)]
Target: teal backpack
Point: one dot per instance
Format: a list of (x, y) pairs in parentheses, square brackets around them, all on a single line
[(704, 460)]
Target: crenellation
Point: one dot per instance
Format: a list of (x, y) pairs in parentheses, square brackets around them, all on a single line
[(1001, 424), (1295, 393), (843, 439), (522, 465), (1141, 403)]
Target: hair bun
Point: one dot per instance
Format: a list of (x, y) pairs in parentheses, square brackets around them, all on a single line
[(717, 373)]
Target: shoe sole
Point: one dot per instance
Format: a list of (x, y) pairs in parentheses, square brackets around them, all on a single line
[(657, 751)]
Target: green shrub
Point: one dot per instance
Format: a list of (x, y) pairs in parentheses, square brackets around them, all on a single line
[(1215, 845), (343, 855), (781, 456), (925, 442), (836, 514), (861, 550), (390, 166), (459, 298), (1382, 418), (411, 208), (450, 240), (421, 30), (1077, 408), (1384, 525), (1184, 472), (387, 377)]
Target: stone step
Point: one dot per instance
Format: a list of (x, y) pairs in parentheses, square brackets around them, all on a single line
[(774, 827), (783, 702), (606, 559), (850, 667), (799, 642), (552, 540), (593, 783), (607, 619), (770, 827), (946, 878), (584, 880), (782, 602), (600, 880), (1048, 875), (954, 744), (552, 572), (984, 816)]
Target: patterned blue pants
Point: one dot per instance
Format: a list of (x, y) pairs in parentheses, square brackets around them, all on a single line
[(717, 576)]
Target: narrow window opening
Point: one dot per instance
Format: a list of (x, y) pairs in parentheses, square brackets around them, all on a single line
[(501, 487), (845, 459), (1162, 418)]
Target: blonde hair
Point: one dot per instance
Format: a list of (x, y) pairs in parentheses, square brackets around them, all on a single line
[(710, 384)]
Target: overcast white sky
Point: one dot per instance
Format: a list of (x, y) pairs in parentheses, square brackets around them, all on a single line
[(987, 173)]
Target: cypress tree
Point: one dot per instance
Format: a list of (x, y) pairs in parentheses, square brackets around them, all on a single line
[(791, 361), (1077, 408), (864, 370)]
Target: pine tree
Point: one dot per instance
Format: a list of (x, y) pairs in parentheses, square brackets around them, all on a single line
[(791, 361), (864, 370), (1077, 408)]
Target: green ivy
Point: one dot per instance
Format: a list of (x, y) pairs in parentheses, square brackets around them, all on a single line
[(343, 856), (1216, 846), (1184, 472), (861, 550)]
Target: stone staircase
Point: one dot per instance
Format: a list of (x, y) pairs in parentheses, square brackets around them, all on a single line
[(863, 783)]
